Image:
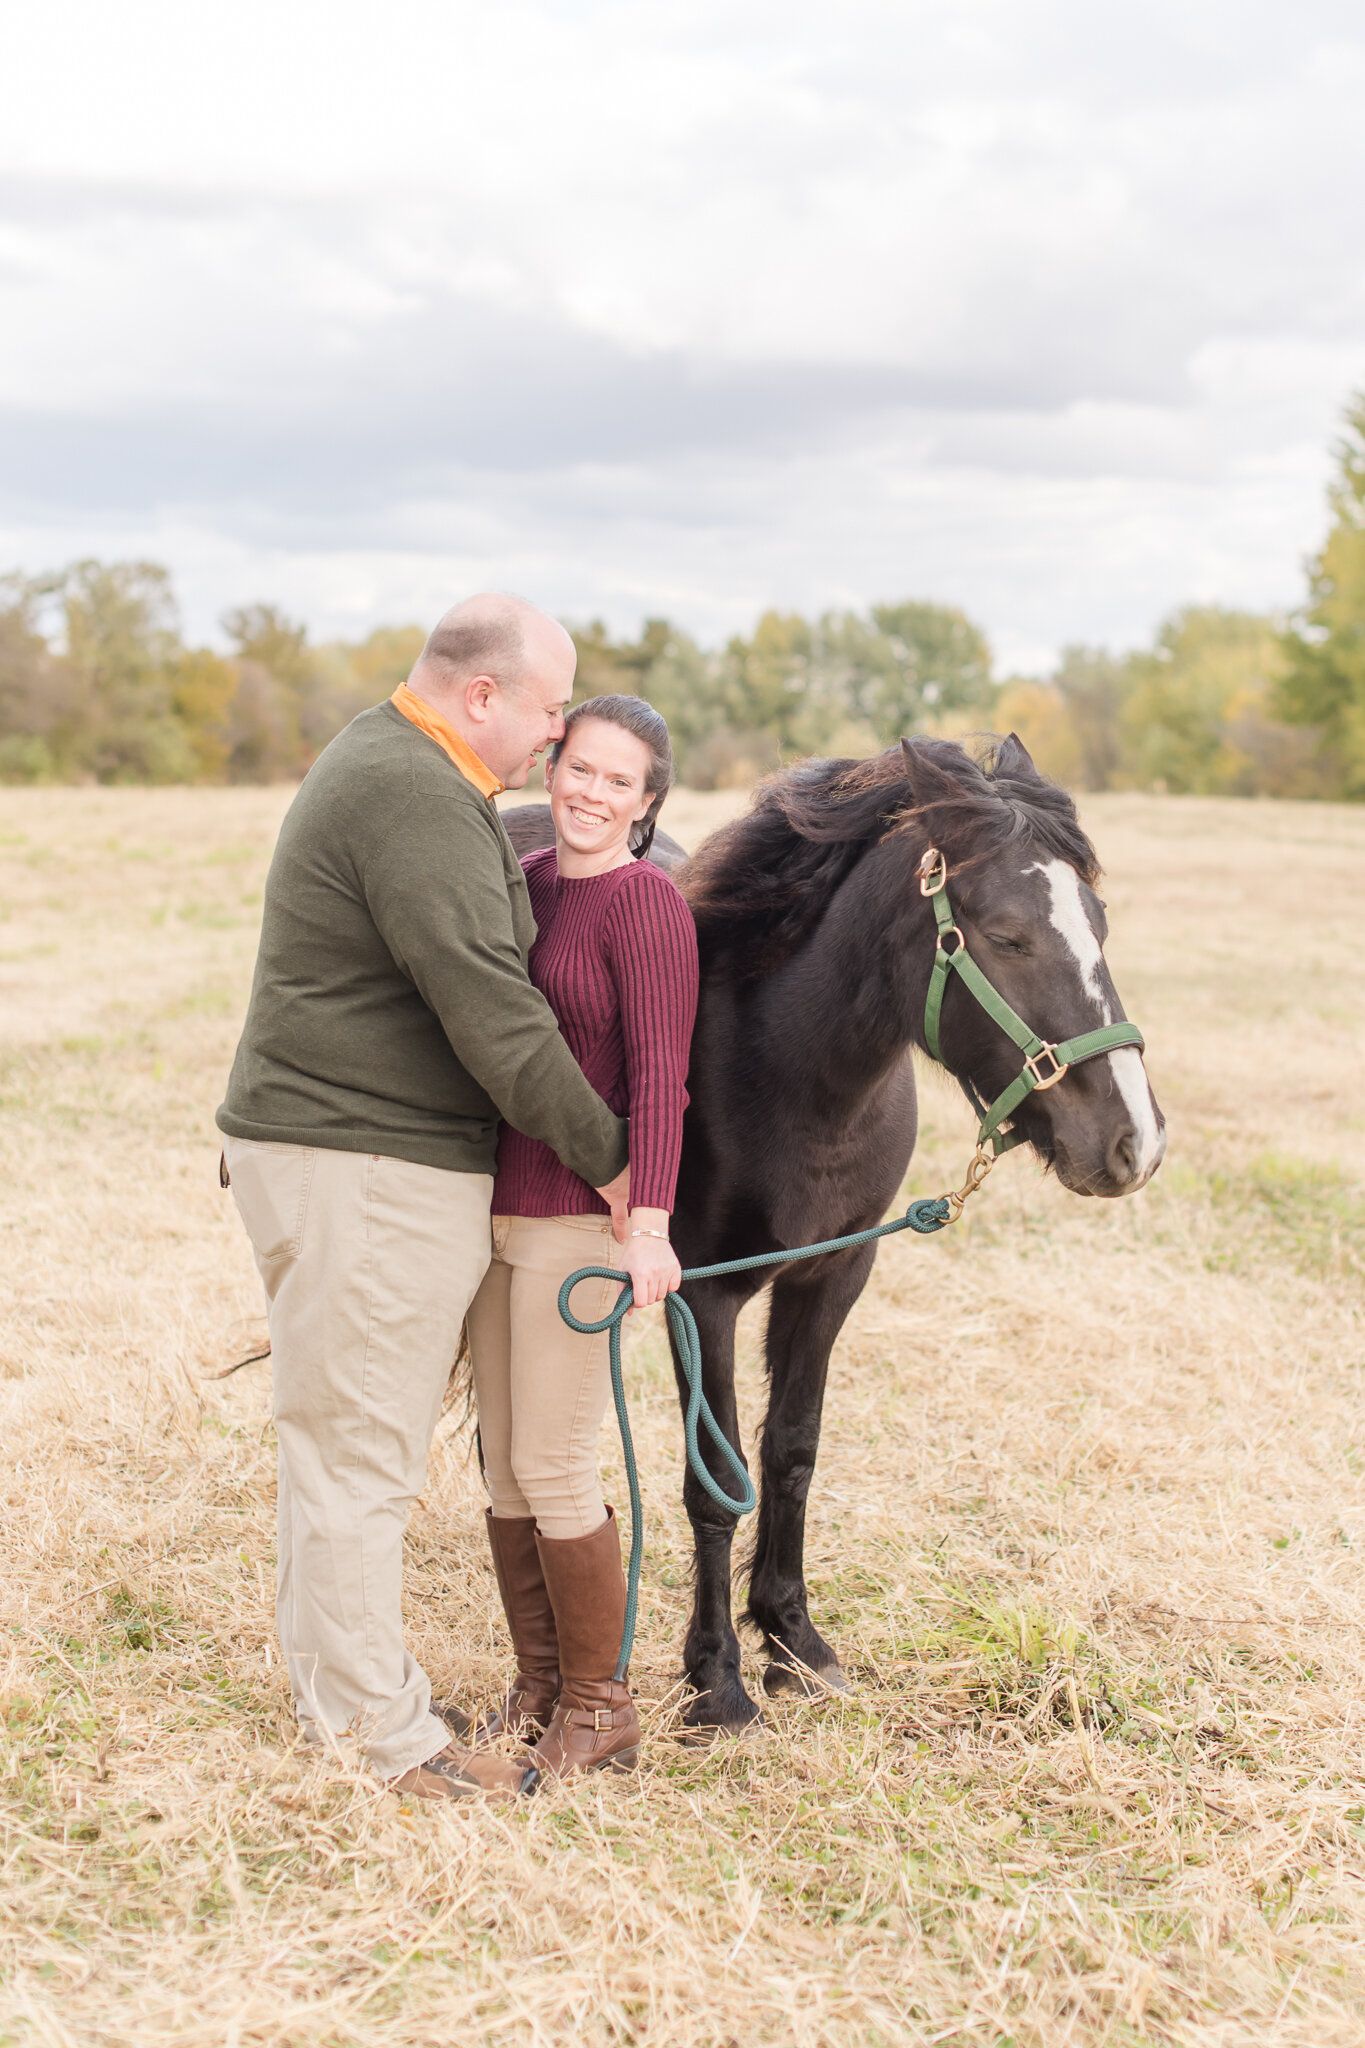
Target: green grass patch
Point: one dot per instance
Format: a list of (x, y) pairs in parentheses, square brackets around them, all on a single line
[(1313, 1214)]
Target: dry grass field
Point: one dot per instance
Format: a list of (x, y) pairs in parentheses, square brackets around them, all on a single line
[(1088, 1528)]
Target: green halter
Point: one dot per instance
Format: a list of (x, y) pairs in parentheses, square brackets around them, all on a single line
[(1044, 1064)]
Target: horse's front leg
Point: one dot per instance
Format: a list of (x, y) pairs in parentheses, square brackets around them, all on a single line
[(808, 1311), (711, 1652)]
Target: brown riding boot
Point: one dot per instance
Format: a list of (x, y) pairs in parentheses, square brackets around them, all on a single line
[(595, 1725), (525, 1712)]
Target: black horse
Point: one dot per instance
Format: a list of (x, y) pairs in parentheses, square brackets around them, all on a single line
[(816, 950)]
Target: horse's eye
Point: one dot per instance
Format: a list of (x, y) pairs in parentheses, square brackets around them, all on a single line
[(1003, 944)]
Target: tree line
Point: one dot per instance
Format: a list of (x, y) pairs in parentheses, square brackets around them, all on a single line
[(97, 684)]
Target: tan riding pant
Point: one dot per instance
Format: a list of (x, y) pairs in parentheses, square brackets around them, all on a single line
[(542, 1390), (369, 1266)]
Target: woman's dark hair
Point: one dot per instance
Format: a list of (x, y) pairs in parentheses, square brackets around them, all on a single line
[(634, 716)]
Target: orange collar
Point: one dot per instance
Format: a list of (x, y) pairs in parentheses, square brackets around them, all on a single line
[(447, 739)]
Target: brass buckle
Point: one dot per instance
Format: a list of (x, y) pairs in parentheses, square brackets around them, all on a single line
[(932, 872), (981, 1163), (601, 1720), (1040, 1079)]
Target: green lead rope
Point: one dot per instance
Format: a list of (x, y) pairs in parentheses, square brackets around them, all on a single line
[(925, 1216)]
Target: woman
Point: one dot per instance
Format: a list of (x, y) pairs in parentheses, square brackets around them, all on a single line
[(616, 958)]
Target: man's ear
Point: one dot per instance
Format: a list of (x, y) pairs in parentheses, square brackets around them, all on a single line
[(479, 693), (1014, 759)]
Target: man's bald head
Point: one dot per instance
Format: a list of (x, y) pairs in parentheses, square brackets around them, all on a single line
[(488, 635), (501, 671)]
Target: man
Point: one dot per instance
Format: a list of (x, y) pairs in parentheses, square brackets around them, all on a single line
[(391, 1024)]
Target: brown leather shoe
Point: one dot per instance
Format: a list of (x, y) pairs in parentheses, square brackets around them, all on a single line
[(454, 1774), (530, 1701), (595, 1726)]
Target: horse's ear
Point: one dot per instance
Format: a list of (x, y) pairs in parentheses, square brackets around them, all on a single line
[(929, 784), (1014, 759)]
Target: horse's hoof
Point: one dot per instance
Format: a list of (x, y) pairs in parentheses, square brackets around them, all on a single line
[(712, 1714), (835, 1679), (798, 1678)]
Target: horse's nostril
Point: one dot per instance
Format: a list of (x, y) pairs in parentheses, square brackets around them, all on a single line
[(1123, 1155)]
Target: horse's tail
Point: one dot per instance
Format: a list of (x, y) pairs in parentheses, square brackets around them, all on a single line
[(459, 1394)]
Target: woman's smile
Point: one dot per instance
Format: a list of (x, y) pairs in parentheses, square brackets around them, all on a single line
[(597, 792)]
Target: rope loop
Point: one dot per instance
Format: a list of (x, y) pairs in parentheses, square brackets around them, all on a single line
[(611, 1320)]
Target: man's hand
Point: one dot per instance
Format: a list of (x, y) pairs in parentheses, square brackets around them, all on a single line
[(616, 1195)]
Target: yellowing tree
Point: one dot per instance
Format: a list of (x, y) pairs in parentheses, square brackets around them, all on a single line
[(1040, 715), (1198, 715), (203, 687)]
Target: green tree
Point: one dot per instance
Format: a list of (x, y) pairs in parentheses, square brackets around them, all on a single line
[(122, 643), (39, 692), (854, 677), (843, 685), (850, 683), (943, 668), (262, 633), (664, 665), (765, 680), (600, 664), (1323, 685)]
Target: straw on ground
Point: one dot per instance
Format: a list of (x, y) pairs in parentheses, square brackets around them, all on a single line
[(1086, 1529)]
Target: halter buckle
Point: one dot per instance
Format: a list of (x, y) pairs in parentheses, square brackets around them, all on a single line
[(957, 933), (932, 872), (1041, 1079)]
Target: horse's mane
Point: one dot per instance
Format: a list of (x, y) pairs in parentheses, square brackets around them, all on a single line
[(760, 885)]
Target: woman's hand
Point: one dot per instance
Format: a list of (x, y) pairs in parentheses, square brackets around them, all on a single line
[(650, 1260)]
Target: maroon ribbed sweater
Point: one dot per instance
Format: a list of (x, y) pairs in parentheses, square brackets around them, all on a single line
[(616, 959)]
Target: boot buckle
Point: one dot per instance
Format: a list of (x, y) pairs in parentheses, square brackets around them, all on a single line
[(601, 1720)]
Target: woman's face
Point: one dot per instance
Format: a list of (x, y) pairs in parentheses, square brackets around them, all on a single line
[(597, 787)]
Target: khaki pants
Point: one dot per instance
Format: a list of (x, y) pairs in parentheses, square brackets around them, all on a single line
[(542, 1390), (369, 1266)]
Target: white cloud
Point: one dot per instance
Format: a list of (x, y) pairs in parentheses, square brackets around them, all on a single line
[(1038, 308)]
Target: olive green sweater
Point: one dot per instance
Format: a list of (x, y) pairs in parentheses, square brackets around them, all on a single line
[(391, 1010)]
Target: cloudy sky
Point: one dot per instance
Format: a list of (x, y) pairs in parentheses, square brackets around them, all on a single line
[(1037, 307)]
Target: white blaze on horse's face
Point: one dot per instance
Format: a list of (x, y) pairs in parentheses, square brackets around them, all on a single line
[(1130, 1076)]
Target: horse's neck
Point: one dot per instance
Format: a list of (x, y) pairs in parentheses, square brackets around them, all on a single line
[(860, 983)]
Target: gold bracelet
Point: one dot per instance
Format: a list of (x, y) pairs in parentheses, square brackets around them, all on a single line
[(651, 1233)]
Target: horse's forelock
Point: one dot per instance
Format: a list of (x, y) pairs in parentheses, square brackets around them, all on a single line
[(1048, 815), (984, 812)]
